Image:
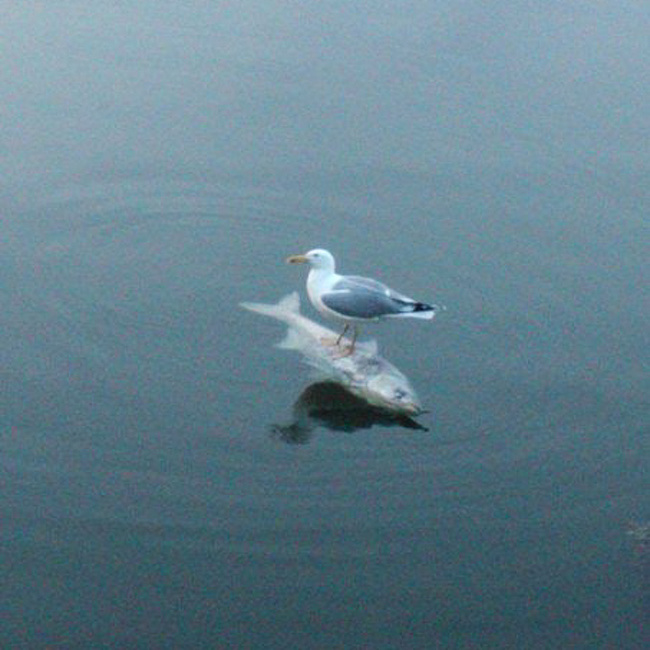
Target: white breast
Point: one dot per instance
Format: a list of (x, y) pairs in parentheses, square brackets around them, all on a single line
[(319, 282)]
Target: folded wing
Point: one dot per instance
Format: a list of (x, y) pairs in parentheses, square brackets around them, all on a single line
[(357, 297)]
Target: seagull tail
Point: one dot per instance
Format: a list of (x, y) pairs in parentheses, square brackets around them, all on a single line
[(418, 310), (422, 310)]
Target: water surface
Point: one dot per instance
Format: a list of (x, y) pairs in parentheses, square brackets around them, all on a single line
[(159, 165)]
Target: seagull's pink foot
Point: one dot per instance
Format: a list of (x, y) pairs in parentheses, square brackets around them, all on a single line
[(346, 351)]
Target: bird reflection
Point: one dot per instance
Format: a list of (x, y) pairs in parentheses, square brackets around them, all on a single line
[(330, 405)]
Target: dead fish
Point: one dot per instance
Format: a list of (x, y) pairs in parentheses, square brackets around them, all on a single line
[(363, 372)]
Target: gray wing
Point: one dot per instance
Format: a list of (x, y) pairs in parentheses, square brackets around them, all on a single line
[(359, 297), (356, 282)]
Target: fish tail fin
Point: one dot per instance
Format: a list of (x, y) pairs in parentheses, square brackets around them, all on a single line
[(289, 305)]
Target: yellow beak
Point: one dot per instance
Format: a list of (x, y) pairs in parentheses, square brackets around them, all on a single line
[(296, 259)]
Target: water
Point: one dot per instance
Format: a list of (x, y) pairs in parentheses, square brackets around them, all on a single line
[(159, 166)]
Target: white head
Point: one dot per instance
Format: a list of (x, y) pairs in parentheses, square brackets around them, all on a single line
[(318, 258)]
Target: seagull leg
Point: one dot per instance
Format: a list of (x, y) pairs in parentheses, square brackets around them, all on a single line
[(355, 333), (334, 342), (350, 348), (342, 334)]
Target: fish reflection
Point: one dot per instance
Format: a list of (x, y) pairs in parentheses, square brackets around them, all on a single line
[(330, 405)]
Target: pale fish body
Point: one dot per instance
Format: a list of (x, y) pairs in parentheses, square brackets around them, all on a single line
[(363, 372)]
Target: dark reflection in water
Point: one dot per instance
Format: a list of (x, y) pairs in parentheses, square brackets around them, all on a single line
[(330, 405)]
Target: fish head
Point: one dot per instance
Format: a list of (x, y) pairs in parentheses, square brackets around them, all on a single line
[(394, 393)]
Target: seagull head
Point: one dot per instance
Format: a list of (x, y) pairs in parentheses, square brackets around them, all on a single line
[(318, 258)]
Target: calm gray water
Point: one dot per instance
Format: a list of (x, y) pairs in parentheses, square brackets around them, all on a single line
[(159, 161)]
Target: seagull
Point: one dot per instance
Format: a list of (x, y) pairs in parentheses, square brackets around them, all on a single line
[(351, 299)]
